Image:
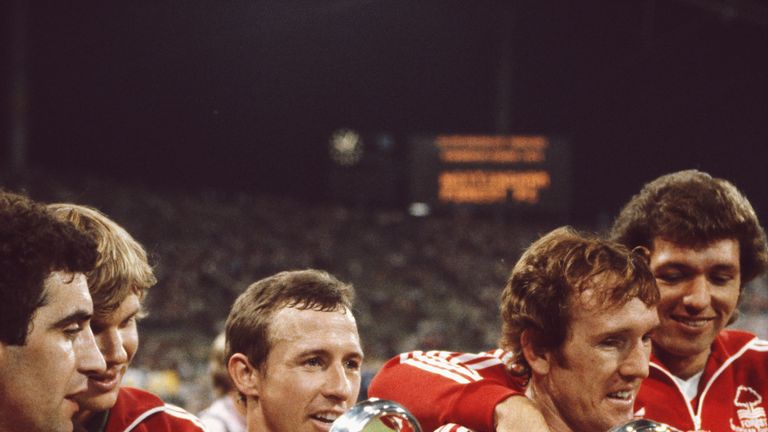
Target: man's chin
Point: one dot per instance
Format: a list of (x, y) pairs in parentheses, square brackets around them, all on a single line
[(682, 346), (595, 424), (599, 419), (613, 415), (613, 421), (98, 403)]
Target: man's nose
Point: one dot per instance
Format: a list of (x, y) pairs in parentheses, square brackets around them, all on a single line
[(88, 357), (635, 364), (110, 343), (338, 384), (698, 296)]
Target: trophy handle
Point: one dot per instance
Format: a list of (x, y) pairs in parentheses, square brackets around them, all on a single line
[(390, 415)]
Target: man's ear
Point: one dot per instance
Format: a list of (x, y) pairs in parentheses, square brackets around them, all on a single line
[(245, 377), (538, 358)]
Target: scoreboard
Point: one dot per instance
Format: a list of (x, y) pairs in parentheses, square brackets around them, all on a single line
[(529, 172)]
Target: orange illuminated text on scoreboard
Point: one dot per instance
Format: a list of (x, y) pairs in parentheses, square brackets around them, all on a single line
[(502, 149), (487, 169), (485, 187)]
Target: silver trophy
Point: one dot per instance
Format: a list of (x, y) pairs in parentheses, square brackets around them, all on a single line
[(643, 425), (376, 415)]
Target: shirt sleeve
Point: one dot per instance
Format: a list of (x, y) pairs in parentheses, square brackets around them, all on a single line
[(441, 387)]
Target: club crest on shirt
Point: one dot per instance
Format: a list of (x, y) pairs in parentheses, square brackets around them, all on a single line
[(751, 414)]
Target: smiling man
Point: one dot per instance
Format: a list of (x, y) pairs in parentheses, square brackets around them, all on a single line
[(46, 345), (118, 284), (706, 243), (578, 313), (294, 351)]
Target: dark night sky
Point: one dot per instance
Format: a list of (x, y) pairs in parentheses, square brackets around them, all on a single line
[(245, 93)]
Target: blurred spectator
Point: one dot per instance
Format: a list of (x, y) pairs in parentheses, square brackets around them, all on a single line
[(226, 413)]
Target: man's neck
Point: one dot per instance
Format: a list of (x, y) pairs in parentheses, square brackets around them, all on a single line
[(548, 409), (682, 367), (254, 420), (90, 421)]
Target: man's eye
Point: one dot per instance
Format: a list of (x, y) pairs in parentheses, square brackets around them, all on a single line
[(352, 364), (611, 342), (721, 279), (670, 277), (73, 330), (129, 321), (647, 337), (313, 362)]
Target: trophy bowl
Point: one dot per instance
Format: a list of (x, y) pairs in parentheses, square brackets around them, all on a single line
[(643, 425)]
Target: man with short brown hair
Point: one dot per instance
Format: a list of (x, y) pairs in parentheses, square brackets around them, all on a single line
[(294, 351)]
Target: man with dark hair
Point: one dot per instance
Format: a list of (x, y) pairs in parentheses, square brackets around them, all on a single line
[(46, 345), (577, 314), (294, 352), (706, 243)]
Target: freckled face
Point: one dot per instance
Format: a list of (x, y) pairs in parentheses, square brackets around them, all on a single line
[(602, 363)]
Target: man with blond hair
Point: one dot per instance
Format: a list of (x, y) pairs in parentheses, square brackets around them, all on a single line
[(118, 285), (227, 412)]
